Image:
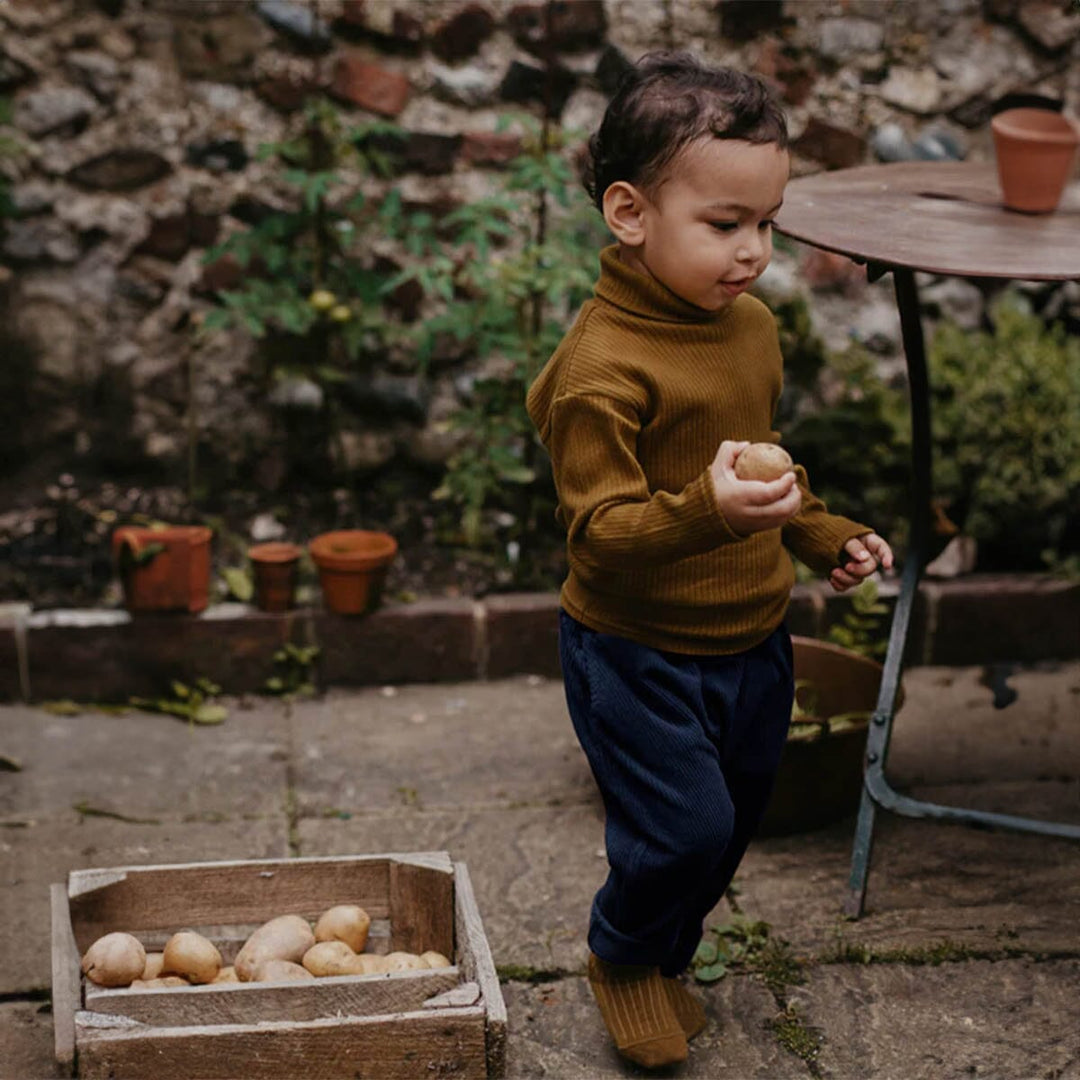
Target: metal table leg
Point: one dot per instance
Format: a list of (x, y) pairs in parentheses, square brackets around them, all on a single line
[(876, 789)]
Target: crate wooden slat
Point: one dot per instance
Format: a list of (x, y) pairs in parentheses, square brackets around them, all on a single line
[(450, 1021), (476, 963), (252, 1003), (201, 894), (66, 960), (422, 897), (402, 1046)]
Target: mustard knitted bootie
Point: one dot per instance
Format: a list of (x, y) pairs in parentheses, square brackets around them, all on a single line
[(688, 1010), (638, 1013)]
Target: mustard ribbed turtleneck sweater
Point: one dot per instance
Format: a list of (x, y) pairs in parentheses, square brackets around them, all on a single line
[(632, 408)]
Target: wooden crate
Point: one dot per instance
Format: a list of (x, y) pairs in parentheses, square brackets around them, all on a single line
[(445, 1022)]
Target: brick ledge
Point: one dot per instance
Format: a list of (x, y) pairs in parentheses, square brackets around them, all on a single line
[(105, 655)]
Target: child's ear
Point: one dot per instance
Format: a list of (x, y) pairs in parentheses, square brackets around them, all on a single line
[(624, 209)]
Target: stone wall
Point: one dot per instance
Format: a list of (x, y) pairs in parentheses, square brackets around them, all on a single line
[(139, 123)]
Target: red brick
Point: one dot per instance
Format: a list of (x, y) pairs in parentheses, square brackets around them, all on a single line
[(489, 148), (522, 631), (10, 690), (834, 147), (429, 641), (568, 27), (461, 35), (286, 92), (988, 618), (114, 660), (805, 611), (370, 86)]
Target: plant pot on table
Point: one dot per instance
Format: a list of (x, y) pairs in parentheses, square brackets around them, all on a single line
[(1035, 150), (352, 565), (821, 776), (275, 567), (165, 568)]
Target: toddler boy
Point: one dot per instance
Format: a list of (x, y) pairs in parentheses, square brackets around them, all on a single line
[(676, 661)]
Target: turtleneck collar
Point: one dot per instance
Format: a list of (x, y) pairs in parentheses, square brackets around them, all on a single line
[(641, 295)]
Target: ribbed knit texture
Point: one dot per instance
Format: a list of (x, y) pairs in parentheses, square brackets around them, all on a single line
[(638, 1013), (632, 407), (688, 1010)]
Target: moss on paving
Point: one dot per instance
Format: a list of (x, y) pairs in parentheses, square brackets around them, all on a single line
[(944, 951), (797, 1038), (529, 974)]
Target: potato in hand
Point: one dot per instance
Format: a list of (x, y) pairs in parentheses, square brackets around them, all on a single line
[(763, 461)]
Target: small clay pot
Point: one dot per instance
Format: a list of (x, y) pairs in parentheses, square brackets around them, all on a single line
[(1035, 150), (275, 566), (352, 566), (164, 569)]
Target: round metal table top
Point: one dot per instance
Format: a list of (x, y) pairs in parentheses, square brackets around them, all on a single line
[(942, 217)]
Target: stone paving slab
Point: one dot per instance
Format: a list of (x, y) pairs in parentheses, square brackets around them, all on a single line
[(1008, 1019), (491, 772), (26, 1035), (948, 730), (35, 856), (464, 744), (146, 764), (555, 1031), (928, 882), (534, 870)]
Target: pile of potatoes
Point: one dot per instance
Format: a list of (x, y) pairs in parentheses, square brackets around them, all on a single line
[(283, 948)]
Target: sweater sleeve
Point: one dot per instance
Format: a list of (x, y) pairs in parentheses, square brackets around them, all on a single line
[(815, 536), (610, 515)]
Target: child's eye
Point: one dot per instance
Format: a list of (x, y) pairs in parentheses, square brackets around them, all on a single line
[(724, 226), (765, 224)]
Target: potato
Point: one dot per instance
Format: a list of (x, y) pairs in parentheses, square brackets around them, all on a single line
[(763, 461), (226, 975), (160, 982), (287, 937), (435, 960), (330, 958), (404, 961), (114, 960), (280, 970), (154, 961), (345, 922), (193, 956), (371, 964)]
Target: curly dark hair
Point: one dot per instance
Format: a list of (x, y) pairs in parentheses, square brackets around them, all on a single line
[(666, 101)]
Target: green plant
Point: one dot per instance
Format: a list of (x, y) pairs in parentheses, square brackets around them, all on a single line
[(803, 350), (313, 288), (1006, 441), (739, 943), (1006, 422), (519, 265), (9, 147), (852, 434), (195, 703), (863, 627), (293, 670), (807, 723)]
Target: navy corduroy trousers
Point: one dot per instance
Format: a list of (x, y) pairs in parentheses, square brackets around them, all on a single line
[(684, 750)]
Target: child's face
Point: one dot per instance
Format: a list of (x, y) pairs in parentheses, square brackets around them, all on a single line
[(707, 230)]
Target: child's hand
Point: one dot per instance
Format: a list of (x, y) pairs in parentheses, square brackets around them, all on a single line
[(867, 553), (751, 506)]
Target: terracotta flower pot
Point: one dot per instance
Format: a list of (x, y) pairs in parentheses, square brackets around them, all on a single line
[(820, 781), (352, 567), (1035, 150), (275, 567), (163, 569)]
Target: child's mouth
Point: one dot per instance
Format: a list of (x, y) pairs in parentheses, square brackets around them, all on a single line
[(733, 288)]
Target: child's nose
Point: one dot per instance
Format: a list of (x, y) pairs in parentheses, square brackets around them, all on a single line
[(752, 248)]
